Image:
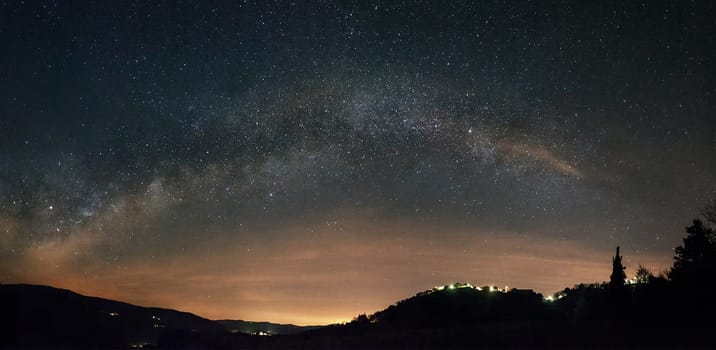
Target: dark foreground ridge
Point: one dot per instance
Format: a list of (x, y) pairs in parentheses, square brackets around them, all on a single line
[(46, 317), (667, 311), (43, 317), (647, 315)]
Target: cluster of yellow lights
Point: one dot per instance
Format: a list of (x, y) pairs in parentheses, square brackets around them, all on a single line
[(454, 286), (551, 298)]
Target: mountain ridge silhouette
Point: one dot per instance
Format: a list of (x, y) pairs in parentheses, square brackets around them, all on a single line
[(43, 316), (451, 316)]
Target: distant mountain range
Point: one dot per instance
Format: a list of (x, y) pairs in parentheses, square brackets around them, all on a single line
[(35, 316), (263, 328)]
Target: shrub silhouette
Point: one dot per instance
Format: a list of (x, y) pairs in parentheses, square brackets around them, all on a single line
[(643, 275)]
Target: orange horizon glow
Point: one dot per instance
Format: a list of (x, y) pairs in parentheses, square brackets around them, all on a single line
[(329, 278)]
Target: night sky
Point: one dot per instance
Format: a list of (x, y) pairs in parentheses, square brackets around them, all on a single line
[(307, 162)]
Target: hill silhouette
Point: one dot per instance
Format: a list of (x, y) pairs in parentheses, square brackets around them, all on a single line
[(460, 303), (44, 317), (460, 316), (451, 316)]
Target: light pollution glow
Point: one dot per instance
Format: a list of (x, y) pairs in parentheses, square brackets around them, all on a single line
[(329, 278)]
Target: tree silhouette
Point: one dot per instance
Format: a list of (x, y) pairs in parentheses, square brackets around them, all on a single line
[(643, 275), (618, 276), (708, 212), (695, 260)]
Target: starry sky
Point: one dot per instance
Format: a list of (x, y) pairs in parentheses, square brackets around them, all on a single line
[(308, 161)]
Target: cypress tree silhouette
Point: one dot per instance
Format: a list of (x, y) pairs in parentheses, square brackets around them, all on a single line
[(618, 276)]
